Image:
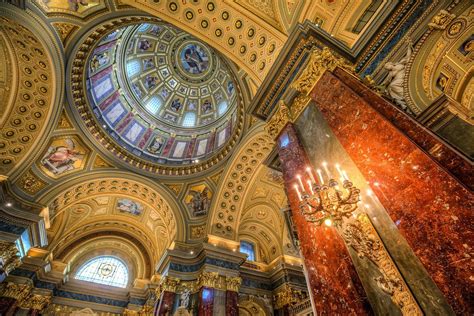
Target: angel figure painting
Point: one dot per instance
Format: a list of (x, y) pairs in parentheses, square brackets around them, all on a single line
[(63, 155), (129, 207), (198, 200)]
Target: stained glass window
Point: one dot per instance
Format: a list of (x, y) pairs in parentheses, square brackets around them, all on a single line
[(249, 249), (104, 270)]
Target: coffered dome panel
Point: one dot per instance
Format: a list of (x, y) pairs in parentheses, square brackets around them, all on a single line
[(159, 98)]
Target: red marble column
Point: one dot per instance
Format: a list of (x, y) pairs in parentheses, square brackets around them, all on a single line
[(165, 304), (231, 303), (332, 278), (34, 312), (206, 301), (8, 306), (432, 209)]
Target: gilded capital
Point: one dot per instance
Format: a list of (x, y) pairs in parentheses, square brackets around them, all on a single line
[(233, 283), (9, 256), (288, 296), (208, 279), (36, 301), (319, 62), (17, 291), (168, 284)]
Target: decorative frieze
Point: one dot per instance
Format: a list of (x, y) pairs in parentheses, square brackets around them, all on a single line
[(18, 292), (288, 296), (36, 301)]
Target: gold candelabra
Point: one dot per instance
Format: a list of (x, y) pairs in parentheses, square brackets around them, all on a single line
[(326, 203)]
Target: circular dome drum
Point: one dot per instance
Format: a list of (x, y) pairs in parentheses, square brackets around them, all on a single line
[(161, 95)]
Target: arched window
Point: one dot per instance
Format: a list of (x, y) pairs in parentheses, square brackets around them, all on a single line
[(104, 270), (189, 119), (248, 248)]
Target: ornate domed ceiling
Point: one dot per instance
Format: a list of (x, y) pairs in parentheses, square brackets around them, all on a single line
[(161, 95)]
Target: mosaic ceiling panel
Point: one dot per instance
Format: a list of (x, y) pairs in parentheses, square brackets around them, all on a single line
[(161, 93)]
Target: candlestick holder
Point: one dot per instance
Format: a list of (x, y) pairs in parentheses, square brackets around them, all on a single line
[(327, 204)]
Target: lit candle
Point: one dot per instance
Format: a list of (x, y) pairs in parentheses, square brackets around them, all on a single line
[(320, 176), (310, 186), (344, 175), (301, 182), (308, 170), (338, 167), (325, 166), (298, 192)]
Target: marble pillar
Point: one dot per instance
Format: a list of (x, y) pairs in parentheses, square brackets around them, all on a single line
[(231, 303), (426, 195), (335, 285), (165, 304), (8, 306), (206, 301)]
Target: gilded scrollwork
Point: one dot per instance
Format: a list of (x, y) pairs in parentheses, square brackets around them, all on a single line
[(9, 256), (19, 292), (319, 62), (233, 283), (36, 301), (441, 20), (361, 235), (167, 284), (278, 121), (208, 279), (288, 296)]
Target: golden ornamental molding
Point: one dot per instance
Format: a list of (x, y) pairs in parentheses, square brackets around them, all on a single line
[(288, 296), (18, 292), (167, 284), (30, 183), (298, 105), (36, 301), (319, 62), (233, 283), (9, 256), (278, 121), (364, 239), (175, 187), (64, 122), (441, 20), (208, 279)]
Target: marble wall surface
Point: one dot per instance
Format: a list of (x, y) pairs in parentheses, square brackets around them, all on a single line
[(429, 203), (322, 145), (335, 285)]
